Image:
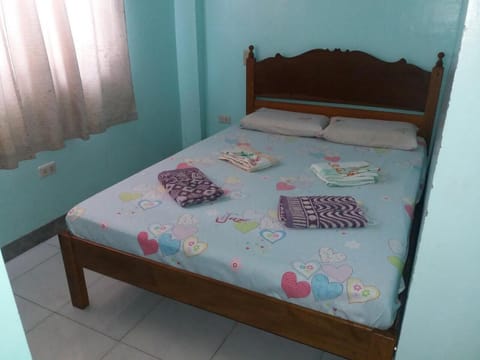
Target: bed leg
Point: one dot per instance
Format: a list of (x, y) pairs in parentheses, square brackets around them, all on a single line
[(74, 272)]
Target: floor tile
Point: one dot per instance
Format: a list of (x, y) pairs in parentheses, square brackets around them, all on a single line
[(60, 338), (124, 352), (29, 259), (169, 330), (246, 342), (174, 331), (46, 285), (54, 241), (115, 307), (30, 313)]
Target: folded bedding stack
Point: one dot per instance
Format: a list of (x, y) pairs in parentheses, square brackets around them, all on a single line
[(346, 173), (247, 158), (326, 212), (189, 186)]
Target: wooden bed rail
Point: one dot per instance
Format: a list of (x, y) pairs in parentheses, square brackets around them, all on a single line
[(342, 337)]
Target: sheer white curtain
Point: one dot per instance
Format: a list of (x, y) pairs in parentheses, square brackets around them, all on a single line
[(64, 73)]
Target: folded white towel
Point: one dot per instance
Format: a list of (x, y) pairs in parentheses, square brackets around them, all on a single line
[(346, 173), (247, 158)]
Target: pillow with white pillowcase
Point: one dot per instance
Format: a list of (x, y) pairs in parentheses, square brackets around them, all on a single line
[(285, 122), (373, 133)]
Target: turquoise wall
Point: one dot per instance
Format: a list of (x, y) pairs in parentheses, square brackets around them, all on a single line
[(13, 344), (190, 49), (85, 167), (442, 319), (390, 29)]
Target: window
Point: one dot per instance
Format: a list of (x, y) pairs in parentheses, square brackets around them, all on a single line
[(64, 73)]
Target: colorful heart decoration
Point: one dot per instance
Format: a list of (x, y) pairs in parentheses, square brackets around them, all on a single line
[(323, 289), (168, 245), (272, 235), (246, 226), (360, 293), (409, 209), (75, 213), (409, 206), (293, 288), (328, 255), (193, 247), (157, 229), (306, 269), (332, 158), (148, 246), (284, 186), (397, 262), (182, 232), (340, 273), (183, 165), (226, 191), (129, 196), (148, 204)]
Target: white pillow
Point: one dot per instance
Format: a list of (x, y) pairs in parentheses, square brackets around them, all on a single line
[(370, 132), (285, 122)]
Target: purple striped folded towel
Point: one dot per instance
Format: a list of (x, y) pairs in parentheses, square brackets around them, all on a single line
[(189, 186), (326, 212)]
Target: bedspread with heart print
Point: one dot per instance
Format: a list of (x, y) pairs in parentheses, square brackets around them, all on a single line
[(353, 273)]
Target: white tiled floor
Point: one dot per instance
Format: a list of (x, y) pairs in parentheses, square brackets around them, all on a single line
[(127, 323)]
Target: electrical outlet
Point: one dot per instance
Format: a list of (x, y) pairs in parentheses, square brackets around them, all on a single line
[(47, 169), (224, 119)]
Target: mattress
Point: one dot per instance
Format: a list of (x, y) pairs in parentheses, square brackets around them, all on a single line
[(351, 273)]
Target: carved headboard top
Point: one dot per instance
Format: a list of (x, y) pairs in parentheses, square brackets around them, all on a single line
[(346, 77)]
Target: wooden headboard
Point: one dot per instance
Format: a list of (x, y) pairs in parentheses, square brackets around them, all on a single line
[(395, 91)]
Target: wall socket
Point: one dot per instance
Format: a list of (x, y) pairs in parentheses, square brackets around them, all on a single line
[(47, 169), (224, 119)]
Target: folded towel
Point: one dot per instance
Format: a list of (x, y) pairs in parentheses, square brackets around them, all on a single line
[(346, 173), (189, 186), (247, 158), (320, 212)]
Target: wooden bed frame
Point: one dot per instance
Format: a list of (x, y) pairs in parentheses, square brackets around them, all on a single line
[(330, 77)]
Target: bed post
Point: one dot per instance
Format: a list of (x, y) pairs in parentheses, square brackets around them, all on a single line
[(250, 99), (433, 95), (74, 273), (381, 346)]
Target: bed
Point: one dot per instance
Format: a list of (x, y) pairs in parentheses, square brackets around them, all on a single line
[(233, 257)]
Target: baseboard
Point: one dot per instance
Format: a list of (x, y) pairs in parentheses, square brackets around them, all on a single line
[(34, 238)]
